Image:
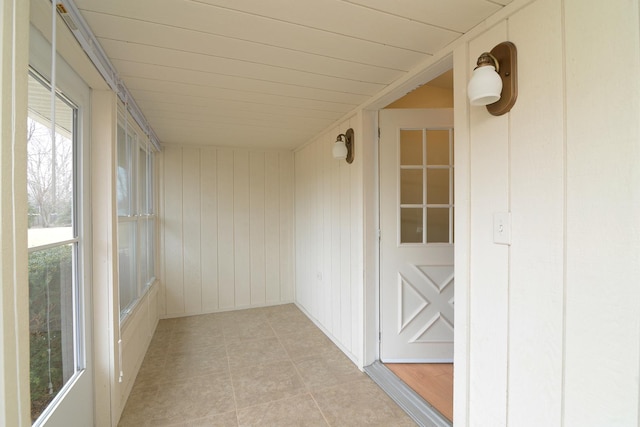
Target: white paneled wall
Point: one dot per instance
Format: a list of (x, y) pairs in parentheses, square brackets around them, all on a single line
[(227, 229), (602, 267), (551, 323), (136, 335), (329, 239)]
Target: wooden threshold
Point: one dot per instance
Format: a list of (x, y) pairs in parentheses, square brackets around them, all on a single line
[(422, 412), (432, 381)]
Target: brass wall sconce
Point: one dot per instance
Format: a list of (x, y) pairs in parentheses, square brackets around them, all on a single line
[(495, 79), (343, 147)]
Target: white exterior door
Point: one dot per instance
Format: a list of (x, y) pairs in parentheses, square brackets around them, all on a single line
[(416, 217)]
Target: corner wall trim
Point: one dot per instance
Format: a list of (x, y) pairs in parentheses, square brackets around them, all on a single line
[(420, 411)]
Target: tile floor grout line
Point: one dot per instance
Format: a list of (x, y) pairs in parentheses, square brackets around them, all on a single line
[(293, 363), (233, 389), (324, 417), (306, 385)]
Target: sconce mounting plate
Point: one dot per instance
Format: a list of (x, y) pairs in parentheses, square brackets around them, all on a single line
[(348, 136), (506, 54)]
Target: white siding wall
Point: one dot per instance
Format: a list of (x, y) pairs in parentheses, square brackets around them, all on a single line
[(136, 336), (14, 282), (551, 324), (602, 317), (110, 356), (227, 229), (329, 238)]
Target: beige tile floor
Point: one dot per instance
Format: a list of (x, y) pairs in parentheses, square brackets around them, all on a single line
[(260, 367)]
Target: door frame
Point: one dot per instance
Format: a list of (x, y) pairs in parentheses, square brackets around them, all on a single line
[(456, 59), (371, 180)]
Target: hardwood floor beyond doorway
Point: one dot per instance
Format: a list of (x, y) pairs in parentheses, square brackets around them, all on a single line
[(432, 381)]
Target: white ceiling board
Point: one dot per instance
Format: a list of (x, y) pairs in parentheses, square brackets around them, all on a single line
[(231, 136), (458, 15), (239, 118), (149, 100), (137, 83), (150, 55), (213, 123), (147, 34), (353, 20), (269, 32), (274, 73), (164, 74)]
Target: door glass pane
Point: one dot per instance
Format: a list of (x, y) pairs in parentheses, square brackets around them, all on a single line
[(438, 147), (411, 225), (437, 186), (53, 244), (410, 147), (437, 225), (411, 186)]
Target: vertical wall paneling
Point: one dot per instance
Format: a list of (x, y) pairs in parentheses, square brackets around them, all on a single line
[(272, 226), (329, 239), (311, 242), (173, 229), (315, 242), (300, 225), (537, 206), (226, 251), (257, 226), (209, 228), (356, 247), (241, 242), (552, 318), (287, 292), (136, 335), (461, 71), (336, 256), (191, 211), (603, 212), (310, 236), (325, 146), (228, 229), (489, 274), (104, 249), (345, 250), (318, 228), (370, 235)]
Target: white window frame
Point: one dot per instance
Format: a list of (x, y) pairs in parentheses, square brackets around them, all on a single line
[(142, 212)]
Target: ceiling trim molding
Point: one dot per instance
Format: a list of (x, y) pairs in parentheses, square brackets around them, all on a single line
[(89, 43)]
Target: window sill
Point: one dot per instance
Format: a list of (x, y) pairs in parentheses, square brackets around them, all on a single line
[(135, 307)]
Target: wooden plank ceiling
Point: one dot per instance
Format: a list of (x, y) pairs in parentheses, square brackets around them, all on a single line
[(267, 73)]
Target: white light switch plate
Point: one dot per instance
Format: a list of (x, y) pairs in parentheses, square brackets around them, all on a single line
[(502, 228)]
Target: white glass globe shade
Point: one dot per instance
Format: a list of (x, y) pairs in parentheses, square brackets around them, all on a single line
[(485, 86), (339, 150)]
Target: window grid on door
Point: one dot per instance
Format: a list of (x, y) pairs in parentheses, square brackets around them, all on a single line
[(426, 192)]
